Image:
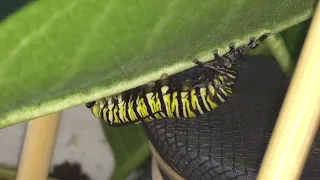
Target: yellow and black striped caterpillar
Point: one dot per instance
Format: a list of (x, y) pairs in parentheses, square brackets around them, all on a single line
[(166, 98)]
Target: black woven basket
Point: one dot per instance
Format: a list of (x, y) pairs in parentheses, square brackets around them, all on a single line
[(229, 143)]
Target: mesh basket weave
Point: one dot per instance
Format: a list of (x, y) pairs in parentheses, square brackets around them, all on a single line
[(229, 142)]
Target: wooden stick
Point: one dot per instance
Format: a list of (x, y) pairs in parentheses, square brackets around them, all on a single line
[(38, 148), (155, 171), (299, 117), (164, 166)]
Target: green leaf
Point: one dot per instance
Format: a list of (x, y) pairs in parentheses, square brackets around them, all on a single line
[(58, 54), (279, 50), (286, 46), (294, 38), (130, 146)]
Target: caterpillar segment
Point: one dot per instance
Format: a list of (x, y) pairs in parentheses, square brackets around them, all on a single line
[(166, 98), (159, 100)]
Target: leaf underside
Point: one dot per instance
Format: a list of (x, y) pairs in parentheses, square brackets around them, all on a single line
[(58, 54)]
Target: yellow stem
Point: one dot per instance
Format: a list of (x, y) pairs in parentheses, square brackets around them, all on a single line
[(298, 120), (38, 148)]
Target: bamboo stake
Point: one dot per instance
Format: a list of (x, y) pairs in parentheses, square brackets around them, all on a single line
[(156, 175), (164, 166), (38, 148), (298, 120)]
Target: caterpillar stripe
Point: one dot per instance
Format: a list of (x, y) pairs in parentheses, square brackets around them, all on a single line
[(166, 98)]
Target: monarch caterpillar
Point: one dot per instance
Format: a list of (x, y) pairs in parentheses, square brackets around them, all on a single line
[(165, 98)]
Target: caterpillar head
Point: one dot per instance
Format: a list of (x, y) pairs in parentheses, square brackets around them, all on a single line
[(95, 108)]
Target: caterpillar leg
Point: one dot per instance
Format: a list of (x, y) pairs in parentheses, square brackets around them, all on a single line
[(262, 38), (202, 65), (164, 76), (232, 47), (187, 85), (196, 61), (150, 86), (254, 42), (164, 79), (217, 57)]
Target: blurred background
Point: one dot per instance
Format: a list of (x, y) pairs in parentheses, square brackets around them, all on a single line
[(84, 145), (80, 141)]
